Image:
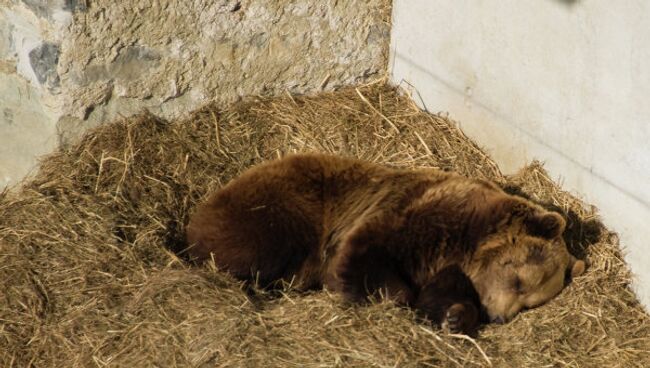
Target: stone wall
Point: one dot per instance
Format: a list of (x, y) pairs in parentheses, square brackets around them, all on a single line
[(66, 65)]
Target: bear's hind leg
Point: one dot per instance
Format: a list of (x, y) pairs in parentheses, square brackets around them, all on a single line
[(263, 244)]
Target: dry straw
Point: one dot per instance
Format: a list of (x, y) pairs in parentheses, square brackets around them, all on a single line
[(90, 278)]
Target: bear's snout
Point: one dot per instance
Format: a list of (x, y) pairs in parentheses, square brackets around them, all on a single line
[(498, 320)]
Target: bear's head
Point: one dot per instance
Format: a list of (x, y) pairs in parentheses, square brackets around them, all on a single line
[(523, 263)]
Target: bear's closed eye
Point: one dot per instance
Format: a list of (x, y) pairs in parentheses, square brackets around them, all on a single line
[(517, 285), (536, 255)]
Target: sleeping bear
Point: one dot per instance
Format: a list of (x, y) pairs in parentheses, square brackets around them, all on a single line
[(459, 251)]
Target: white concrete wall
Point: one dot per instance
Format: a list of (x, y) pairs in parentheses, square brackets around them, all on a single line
[(566, 82)]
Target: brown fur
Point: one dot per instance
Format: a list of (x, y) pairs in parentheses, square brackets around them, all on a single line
[(444, 244)]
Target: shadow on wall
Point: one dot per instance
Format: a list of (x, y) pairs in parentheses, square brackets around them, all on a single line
[(579, 235), (568, 2)]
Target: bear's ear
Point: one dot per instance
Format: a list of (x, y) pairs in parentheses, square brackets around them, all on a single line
[(547, 225)]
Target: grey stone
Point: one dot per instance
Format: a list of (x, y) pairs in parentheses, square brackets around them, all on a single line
[(46, 8), (378, 32), (6, 43), (44, 60), (230, 6), (39, 7), (8, 116), (70, 129), (133, 62), (43, 8), (75, 5)]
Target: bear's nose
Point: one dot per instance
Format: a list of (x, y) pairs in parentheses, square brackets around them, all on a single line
[(498, 320)]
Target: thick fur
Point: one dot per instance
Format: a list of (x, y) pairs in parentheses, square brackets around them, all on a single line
[(441, 243)]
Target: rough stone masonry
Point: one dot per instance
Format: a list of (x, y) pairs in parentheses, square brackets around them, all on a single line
[(67, 65)]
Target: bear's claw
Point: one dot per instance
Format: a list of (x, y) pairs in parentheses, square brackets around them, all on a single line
[(460, 318)]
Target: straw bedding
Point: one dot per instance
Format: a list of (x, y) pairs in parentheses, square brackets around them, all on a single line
[(90, 275)]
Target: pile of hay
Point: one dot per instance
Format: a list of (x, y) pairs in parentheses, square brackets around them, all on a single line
[(90, 278)]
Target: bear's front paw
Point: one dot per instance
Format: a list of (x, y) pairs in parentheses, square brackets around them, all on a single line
[(461, 318)]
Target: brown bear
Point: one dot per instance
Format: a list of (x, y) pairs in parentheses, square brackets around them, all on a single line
[(445, 245)]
